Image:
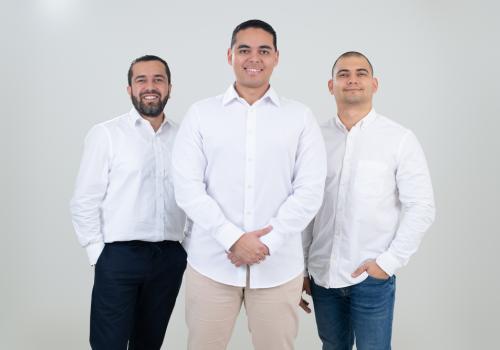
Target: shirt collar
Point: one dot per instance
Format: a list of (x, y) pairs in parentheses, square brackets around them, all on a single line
[(363, 123), (231, 94), (135, 118)]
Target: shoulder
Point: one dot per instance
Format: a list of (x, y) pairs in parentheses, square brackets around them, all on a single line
[(391, 128)]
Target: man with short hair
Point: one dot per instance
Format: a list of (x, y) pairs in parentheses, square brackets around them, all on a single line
[(125, 215), (249, 172), (378, 203)]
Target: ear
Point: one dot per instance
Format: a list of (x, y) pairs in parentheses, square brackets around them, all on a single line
[(375, 85), (276, 61), (330, 86), (169, 90), (230, 56), (129, 90)]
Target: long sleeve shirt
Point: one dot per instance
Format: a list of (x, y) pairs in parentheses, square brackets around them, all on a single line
[(241, 167), (124, 189), (378, 201)]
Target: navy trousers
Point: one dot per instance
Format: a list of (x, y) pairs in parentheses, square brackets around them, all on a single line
[(135, 287)]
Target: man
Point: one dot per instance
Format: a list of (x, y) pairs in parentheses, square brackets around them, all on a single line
[(125, 215), (249, 172), (378, 203)]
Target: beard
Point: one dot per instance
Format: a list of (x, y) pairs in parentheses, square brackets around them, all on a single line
[(149, 109)]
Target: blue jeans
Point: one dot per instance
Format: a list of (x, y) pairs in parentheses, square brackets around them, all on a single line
[(362, 312)]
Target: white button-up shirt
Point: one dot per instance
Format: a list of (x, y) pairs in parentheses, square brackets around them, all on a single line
[(378, 201), (239, 168), (124, 190)]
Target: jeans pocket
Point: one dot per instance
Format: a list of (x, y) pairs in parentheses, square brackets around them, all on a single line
[(375, 279)]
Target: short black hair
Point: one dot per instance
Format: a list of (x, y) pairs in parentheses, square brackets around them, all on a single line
[(255, 23), (352, 54), (147, 58)]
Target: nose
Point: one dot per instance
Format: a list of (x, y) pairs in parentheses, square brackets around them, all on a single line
[(254, 56), (352, 80)]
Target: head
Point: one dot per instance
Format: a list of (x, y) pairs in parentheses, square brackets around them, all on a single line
[(253, 54), (149, 85), (352, 81)]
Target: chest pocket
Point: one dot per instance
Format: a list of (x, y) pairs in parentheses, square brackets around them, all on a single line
[(371, 178)]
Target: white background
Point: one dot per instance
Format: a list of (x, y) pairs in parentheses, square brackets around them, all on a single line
[(63, 69)]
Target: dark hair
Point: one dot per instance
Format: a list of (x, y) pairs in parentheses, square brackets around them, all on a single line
[(147, 58), (351, 54), (254, 23)]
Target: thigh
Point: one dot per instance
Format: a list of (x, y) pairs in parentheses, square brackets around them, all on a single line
[(272, 314), (372, 307), (332, 312), (116, 284), (211, 311), (158, 294)]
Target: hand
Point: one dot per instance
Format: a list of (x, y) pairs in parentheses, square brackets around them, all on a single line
[(249, 249), (306, 287), (372, 269)]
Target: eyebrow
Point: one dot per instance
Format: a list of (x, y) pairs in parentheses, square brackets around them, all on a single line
[(155, 76), (357, 70), (245, 46)]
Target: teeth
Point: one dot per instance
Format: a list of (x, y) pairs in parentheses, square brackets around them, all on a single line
[(150, 97)]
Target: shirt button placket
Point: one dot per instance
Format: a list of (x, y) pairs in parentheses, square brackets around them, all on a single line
[(250, 168)]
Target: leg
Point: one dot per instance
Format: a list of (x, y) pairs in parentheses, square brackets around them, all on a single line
[(272, 315), (211, 311), (372, 307), (158, 294), (117, 279), (331, 308)]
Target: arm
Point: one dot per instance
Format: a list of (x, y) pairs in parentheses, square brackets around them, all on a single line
[(417, 202), (308, 186), (189, 164), (307, 236), (91, 184)]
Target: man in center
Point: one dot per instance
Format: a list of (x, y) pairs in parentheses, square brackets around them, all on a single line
[(249, 170)]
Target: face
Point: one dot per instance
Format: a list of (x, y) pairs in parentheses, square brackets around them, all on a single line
[(353, 82), (149, 89), (253, 58)]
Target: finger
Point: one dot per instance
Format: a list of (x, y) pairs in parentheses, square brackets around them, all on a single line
[(304, 305), (359, 270), (264, 231)]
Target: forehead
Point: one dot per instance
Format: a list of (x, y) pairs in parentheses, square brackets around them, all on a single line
[(352, 63), (254, 37), (148, 68)]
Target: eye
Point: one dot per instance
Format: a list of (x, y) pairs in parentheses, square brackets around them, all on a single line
[(140, 80), (243, 51), (265, 52), (159, 80)]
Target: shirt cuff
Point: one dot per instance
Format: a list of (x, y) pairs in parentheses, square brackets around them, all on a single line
[(273, 240), (388, 262), (94, 250), (227, 235)]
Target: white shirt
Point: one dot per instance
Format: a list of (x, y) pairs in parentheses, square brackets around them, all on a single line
[(378, 201), (124, 190), (239, 168)]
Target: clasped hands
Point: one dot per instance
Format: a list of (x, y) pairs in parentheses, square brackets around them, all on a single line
[(248, 249)]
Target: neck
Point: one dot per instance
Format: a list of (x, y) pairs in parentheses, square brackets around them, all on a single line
[(350, 115), (155, 121), (251, 95)]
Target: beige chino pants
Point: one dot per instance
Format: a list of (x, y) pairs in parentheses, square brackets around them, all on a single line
[(212, 309)]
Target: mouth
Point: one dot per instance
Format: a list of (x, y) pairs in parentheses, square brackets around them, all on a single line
[(150, 97), (252, 70), (353, 90)]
